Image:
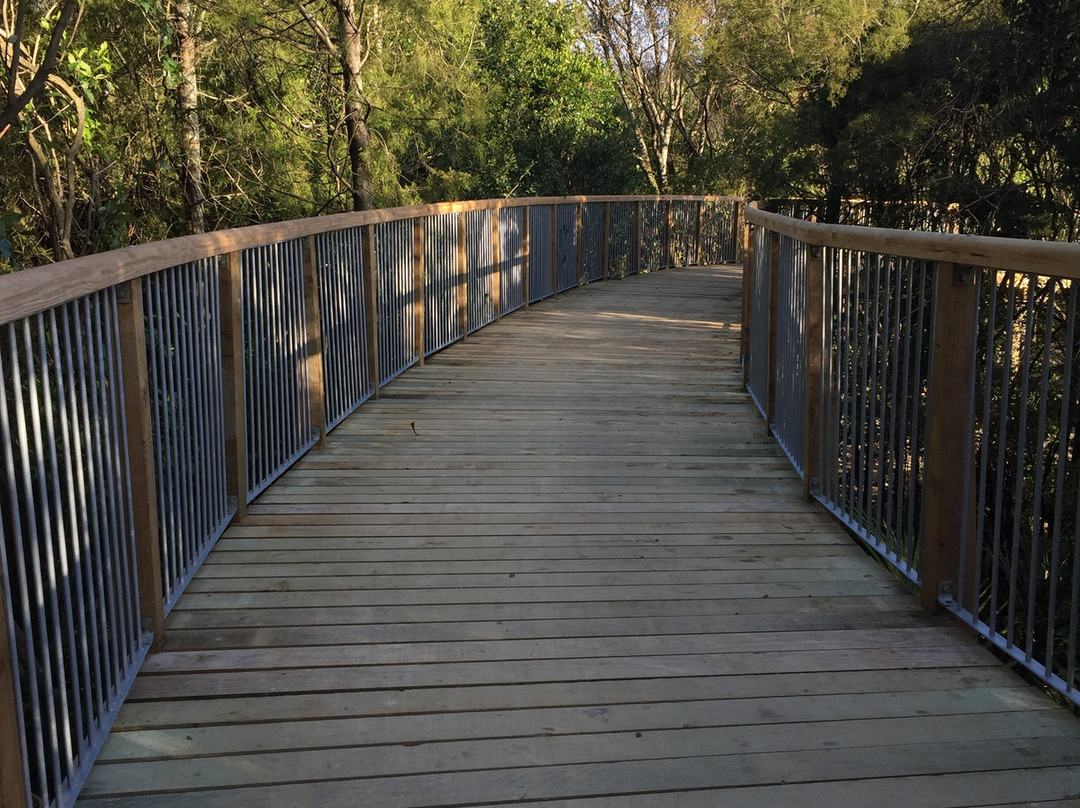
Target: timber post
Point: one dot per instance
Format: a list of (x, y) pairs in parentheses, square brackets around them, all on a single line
[(774, 302), (419, 288), (230, 284), (14, 782), (605, 242), (815, 370), (463, 274), (496, 263), (314, 350), (525, 259), (947, 529), (371, 305), (140, 450)]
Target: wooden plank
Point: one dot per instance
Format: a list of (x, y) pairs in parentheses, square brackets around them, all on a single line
[(996, 683)]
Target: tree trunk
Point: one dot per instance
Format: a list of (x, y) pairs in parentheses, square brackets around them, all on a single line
[(352, 54), (191, 175)]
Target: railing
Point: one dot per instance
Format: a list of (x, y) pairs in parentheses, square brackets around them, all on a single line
[(925, 387), (151, 393)]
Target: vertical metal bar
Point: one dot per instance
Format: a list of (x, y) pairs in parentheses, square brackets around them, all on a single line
[(1002, 432), (1037, 496), (771, 326), (40, 733), (1021, 455), (463, 274), (1059, 482), (64, 618), (43, 569), (497, 260)]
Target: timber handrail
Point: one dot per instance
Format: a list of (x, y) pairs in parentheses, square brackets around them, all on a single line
[(1059, 259), (40, 288)]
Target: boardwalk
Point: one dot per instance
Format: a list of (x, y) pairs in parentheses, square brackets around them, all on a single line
[(562, 563)]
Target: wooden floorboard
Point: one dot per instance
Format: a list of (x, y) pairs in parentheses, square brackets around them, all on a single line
[(563, 563)]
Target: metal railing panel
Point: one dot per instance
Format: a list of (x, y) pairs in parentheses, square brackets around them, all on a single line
[(183, 345), (790, 371), (442, 325), (653, 245), (592, 238), (719, 232), (876, 378), (67, 555), (481, 264), (512, 258), (279, 425), (343, 309), (540, 257), (397, 302), (683, 235), (568, 247), (1019, 581), (621, 239)]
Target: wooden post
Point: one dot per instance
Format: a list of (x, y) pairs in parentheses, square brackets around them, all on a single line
[(774, 275), (636, 266), (669, 251), (697, 232), (371, 303), (419, 288), (463, 275), (815, 369), (578, 226), (525, 255), (554, 249), (747, 290), (144, 504), (605, 242), (948, 434), (230, 284), (313, 318), (496, 264), (14, 784)]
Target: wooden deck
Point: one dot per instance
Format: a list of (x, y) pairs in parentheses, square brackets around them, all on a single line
[(562, 563)]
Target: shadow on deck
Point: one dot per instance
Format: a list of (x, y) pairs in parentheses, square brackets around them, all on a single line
[(563, 563)]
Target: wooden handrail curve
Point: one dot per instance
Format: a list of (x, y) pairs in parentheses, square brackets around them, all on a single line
[(34, 290), (1057, 259)]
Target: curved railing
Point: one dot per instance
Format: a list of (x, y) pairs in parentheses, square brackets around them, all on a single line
[(926, 387), (149, 394)]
